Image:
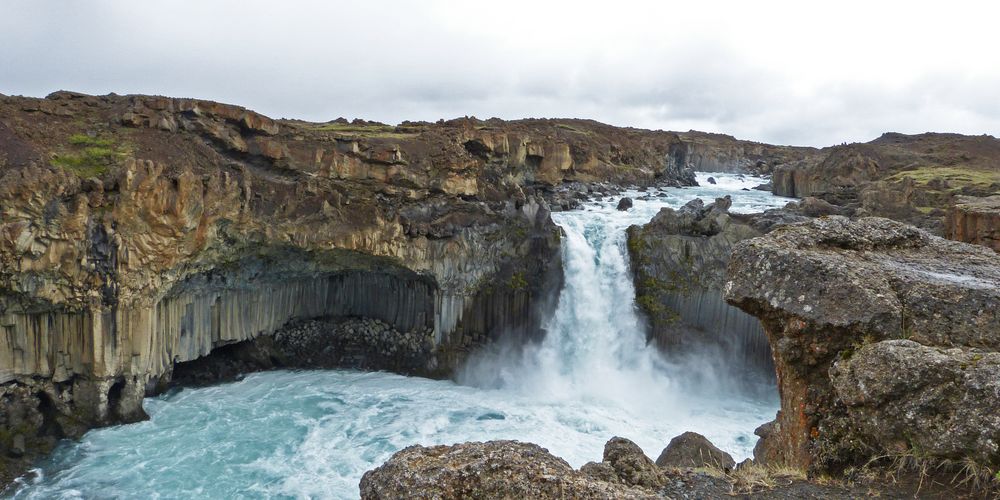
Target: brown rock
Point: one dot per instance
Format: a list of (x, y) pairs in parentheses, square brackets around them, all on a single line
[(694, 450), (495, 469), (631, 465), (975, 220)]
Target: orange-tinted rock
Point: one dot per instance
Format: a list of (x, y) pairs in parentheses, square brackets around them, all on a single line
[(975, 220)]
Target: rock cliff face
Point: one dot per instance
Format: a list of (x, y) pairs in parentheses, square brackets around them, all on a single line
[(678, 263), (705, 152), (884, 339), (911, 178), (139, 232), (975, 220)]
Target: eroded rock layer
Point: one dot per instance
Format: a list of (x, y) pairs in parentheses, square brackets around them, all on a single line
[(707, 152), (141, 232), (884, 341), (975, 220), (910, 178)]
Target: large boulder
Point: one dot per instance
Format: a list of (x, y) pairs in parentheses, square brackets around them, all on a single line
[(631, 465), (495, 469), (694, 450), (824, 288), (940, 402)]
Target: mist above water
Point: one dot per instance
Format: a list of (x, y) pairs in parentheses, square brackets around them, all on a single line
[(314, 433), (595, 347)]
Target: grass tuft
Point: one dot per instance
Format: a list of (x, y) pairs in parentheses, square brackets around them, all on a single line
[(373, 130), (753, 478), (89, 156), (956, 177)]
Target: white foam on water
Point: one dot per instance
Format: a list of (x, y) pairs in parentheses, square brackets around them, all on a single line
[(312, 434)]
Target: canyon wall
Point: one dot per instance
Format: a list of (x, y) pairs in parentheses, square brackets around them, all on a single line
[(138, 233), (706, 152), (975, 220), (915, 179)]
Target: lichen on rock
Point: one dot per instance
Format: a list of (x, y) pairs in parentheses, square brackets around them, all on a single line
[(859, 313)]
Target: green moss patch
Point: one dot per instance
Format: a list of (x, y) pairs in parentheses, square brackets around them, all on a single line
[(517, 281), (956, 177), (89, 156), (566, 126), (375, 130)]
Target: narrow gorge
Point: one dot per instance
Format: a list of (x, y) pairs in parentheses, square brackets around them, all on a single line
[(255, 296)]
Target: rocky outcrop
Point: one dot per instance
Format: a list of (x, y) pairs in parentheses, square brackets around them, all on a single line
[(511, 469), (836, 298), (931, 401), (694, 450), (631, 465), (910, 178), (495, 469), (340, 342), (975, 220), (678, 263), (706, 152)]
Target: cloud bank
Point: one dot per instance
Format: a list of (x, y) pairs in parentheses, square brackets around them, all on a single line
[(779, 72)]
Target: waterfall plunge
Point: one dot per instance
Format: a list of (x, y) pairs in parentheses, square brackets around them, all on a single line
[(314, 433), (595, 345)]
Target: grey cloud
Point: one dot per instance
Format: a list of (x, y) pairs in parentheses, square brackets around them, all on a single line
[(393, 61)]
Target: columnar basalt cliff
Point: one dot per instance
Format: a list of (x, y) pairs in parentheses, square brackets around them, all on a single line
[(885, 342), (140, 232), (975, 220), (678, 263)]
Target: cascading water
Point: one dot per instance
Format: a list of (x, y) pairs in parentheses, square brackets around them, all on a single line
[(314, 433)]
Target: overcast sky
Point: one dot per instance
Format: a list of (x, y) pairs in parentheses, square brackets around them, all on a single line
[(781, 72)]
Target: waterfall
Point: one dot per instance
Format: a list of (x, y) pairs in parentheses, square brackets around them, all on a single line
[(595, 346)]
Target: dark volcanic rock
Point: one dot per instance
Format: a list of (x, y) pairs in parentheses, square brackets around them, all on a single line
[(625, 203), (940, 401), (678, 261), (824, 288), (495, 469), (694, 450), (631, 465)]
